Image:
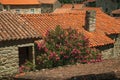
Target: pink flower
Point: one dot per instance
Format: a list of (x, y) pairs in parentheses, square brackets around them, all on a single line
[(87, 51), (61, 36), (84, 61), (52, 55), (47, 33), (61, 52), (20, 70), (77, 57), (88, 62), (57, 46), (46, 49), (93, 61), (41, 44), (57, 58), (66, 57), (79, 44)]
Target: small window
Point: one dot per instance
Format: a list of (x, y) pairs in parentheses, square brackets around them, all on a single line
[(32, 11), (25, 54), (18, 11)]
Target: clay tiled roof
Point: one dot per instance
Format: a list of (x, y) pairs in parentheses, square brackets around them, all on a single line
[(19, 2), (116, 11), (27, 2), (13, 27), (76, 6), (105, 25), (117, 18), (67, 8), (74, 10)]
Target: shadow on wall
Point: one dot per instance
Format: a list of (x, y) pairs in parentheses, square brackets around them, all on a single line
[(103, 76)]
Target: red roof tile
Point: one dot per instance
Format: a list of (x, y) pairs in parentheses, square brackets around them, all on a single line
[(27, 2), (13, 27), (76, 6), (75, 10), (104, 25), (117, 18)]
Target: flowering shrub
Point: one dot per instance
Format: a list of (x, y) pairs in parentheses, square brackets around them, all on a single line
[(28, 66), (65, 46)]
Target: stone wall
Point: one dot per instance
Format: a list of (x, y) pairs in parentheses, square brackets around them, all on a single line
[(25, 9), (9, 60), (56, 5), (107, 51), (0, 7), (90, 21), (48, 8), (9, 55), (116, 49), (111, 50), (108, 5)]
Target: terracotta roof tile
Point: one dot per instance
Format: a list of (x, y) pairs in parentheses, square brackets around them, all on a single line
[(76, 6), (27, 2), (117, 18), (20, 2), (75, 10), (105, 25), (13, 27)]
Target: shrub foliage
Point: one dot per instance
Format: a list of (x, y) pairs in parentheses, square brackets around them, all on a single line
[(65, 46)]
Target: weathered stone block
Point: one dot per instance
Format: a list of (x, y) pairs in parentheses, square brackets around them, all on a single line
[(90, 20)]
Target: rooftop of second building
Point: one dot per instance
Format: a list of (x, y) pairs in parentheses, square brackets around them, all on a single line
[(26, 2), (105, 25), (67, 8), (76, 6)]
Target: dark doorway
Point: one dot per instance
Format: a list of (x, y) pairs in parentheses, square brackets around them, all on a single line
[(25, 53)]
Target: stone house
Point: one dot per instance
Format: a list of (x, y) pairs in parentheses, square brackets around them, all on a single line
[(16, 43), (108, 5), (102, 30), (30, 6), (49, 6), (19, 32)]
